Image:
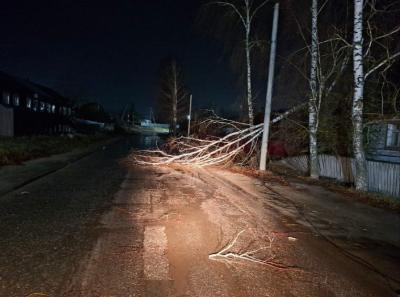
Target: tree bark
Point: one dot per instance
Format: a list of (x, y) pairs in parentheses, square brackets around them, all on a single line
[(361, 175), (248, 63), (312, 107)]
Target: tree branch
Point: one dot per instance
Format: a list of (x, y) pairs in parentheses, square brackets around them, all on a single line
[(222, 3), (384, 62)]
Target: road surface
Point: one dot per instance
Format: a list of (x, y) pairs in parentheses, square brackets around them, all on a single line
[(102, 227)]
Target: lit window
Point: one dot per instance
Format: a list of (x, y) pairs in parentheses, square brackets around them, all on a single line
[(16, 100), (48, 107), (35, 105), (42, 106), (6, 98), (53, 109), (28, 103), (393, 136)]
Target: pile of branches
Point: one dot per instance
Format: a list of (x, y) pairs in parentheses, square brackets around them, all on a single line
[(238, 144)]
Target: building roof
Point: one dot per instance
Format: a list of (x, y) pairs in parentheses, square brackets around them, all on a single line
[(28, 88)]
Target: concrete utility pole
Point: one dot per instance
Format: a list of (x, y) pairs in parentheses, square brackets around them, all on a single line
[(267, 115), (190, 114)]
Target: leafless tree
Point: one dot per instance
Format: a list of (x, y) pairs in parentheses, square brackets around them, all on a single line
[(361, 178), (244, 11), (314, 103), (328, 61), (369, 42), (173, 95), (236, 147)]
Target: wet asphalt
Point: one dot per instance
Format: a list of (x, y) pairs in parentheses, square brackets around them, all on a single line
[(47, 226), (50, 226)]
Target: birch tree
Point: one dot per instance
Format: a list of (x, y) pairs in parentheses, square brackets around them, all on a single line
[(312, 106), (376, 49), (173, 94), (361, 178), (245, 11), (328, 61)]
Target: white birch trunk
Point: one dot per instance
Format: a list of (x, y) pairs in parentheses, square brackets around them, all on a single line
[(312, 107), (361, 178), (248, 63), (246, 16)]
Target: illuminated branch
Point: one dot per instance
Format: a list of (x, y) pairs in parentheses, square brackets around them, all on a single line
[(227, 254)]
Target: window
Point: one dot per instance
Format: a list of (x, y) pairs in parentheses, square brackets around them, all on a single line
[(53, 109), (6, 98), (16, 100), (393, 136), (28, 103), (35, 105), (42, 106), (48, 107)]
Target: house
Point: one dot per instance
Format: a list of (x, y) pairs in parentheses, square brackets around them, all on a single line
[(91, 117), (27, 108), (383, 141)]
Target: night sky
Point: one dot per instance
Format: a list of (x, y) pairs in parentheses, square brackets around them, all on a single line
[(109, 51)]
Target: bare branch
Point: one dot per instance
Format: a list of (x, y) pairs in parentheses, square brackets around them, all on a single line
[(235, 9), (382, 63), (253, 14)]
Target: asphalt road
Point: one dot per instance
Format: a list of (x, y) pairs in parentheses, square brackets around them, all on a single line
[(47, 226), (100, 227)]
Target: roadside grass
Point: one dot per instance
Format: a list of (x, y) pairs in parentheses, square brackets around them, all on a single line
[(14, 151)]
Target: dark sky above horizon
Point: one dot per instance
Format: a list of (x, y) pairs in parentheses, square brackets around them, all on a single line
[(109, 51)]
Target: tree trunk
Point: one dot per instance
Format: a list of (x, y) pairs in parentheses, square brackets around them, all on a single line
[(312, 107), (248, 63), (361, 177), (175, 103), (249, 91)]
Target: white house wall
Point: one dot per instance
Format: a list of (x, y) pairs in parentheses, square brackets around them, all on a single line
[(6, 121)]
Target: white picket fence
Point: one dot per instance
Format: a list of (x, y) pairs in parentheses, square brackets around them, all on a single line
[(382, 177)]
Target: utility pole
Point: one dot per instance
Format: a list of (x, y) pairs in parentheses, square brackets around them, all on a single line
[(190, 114), (267, 115)]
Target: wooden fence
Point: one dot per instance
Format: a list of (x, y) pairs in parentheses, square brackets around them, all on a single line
[(382, 177)]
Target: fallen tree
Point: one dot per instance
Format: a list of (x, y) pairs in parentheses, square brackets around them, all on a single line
[(238, 146)]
